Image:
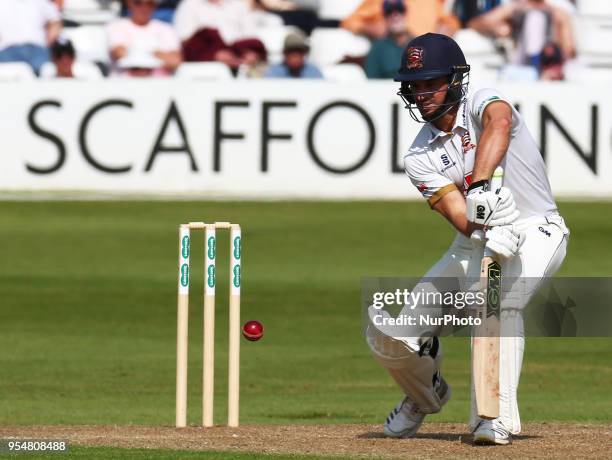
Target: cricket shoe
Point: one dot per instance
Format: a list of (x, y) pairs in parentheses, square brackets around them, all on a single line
[(491, 433), (406, 418)]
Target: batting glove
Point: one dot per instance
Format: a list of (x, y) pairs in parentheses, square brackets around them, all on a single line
[(489, 209), (504, 241)]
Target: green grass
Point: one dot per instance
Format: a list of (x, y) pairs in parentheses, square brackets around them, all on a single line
[(88, 316)]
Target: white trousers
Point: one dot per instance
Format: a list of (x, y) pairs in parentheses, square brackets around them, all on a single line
[(539, 258)]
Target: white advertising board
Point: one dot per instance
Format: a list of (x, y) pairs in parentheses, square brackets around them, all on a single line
[(264, 139)]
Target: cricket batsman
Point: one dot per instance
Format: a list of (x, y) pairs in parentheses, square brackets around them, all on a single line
[(464, 138)]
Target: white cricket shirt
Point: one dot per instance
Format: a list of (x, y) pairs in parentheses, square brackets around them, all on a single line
[(439, 162)]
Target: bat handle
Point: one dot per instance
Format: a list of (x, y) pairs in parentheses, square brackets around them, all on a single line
[(497, 179)]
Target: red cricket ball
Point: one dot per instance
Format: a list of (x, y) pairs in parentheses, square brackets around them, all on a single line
[(252, 330)]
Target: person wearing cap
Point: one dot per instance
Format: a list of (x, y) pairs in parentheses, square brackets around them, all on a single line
[(153, 43), (385, 53), (295, 63), (464, 139)]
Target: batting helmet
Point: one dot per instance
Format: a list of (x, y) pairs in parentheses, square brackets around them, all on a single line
[(432, 56)]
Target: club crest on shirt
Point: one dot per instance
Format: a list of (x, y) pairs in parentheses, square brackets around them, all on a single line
[(414, 57)]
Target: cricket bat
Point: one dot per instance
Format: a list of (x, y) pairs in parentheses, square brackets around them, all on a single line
[(485, 345)]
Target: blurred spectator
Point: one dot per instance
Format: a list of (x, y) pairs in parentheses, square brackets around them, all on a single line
[(27, 28), (466, 10), (215, 30), (551, 63), (302, 14), (63, 56), (535, 23), (64, 65), (164, 12), (425, 16), (493, 19), (532, 28), (254, 59), (386, 53), (531, 23), (569, 6), (141, 35), (231, 18), (295, 64)]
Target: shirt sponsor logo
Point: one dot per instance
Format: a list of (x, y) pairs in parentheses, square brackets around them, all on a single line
[(446, 162)]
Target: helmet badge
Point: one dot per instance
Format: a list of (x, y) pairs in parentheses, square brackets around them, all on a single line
[(414, 57)]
